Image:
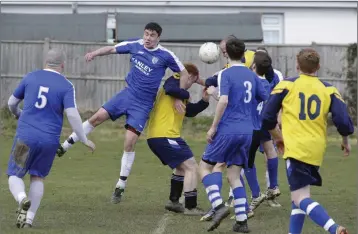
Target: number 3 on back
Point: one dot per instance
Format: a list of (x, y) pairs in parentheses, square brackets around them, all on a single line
[(303, 107), (41, 103)]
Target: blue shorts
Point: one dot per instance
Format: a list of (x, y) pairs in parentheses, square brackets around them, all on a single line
[(31, 155), (230, 149), (300, 174), (170, 151), (125, 103)]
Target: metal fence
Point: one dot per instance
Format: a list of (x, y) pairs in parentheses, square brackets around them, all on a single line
[(98, 80)]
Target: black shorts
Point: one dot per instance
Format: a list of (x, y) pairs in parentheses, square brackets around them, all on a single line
[(258, 137), (170, 151), (300, 174)]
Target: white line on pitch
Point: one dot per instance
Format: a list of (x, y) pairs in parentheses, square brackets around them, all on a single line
[(162, 224)]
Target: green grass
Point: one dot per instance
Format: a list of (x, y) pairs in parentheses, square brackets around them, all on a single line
[(78, 191)]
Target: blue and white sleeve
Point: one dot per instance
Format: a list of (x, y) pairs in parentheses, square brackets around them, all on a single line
[(69, 99), (223, 84), (174, 63), (126, 47), (19, 92)]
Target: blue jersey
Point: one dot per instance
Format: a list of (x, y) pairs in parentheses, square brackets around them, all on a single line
[(46, 94), (148, 68), (260, 105), (242, 86)]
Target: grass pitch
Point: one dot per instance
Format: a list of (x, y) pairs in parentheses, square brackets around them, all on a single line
[(79, 187)]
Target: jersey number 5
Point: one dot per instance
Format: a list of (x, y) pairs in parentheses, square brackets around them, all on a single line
[(311, 99), (41, 104)]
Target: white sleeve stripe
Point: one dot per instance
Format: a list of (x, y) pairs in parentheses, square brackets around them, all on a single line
[(176, 59), (74, 96), (74, 92), (219, 81), (279, 74), (123, 43)]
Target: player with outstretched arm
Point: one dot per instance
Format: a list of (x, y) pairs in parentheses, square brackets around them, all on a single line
[(149, 62)]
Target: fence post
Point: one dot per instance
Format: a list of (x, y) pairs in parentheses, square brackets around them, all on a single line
[(46, 48), (319, 51)]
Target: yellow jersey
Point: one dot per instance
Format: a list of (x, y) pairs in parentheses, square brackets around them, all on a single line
[(247, 60), (165, 120), (306, 102)]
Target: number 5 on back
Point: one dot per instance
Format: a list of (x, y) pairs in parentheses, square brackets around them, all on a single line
[(41, 96)]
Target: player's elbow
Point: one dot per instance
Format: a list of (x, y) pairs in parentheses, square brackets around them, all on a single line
[(223, 100), (268, 124), (211, 81), (344, 127)]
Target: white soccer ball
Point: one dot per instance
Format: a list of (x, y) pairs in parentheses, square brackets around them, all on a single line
[(209, 52)]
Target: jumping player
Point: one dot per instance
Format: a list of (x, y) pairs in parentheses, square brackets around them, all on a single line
[(149, 62)]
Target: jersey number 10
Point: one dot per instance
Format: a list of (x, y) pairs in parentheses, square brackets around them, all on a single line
[(43, 100), (304, 107)]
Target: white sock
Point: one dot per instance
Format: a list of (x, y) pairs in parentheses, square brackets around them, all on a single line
[(17, 188), (87, 127), (231, 193), (267, 179), (126, 167), (35, 195)]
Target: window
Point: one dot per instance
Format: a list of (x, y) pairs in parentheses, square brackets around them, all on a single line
[(272, 27), (111, 28)]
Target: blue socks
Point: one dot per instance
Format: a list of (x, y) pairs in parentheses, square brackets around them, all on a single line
[(213, 185), (251, 177), (318, 215), (272, 168)]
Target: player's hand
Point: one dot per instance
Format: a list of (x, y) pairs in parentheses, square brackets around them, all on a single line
[(346, 148), (280, 146), (210, 134), (89, 144), (211, 90), (205, 95), (89, 56), (180, 106)]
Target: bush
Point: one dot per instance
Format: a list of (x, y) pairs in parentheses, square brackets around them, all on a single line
[(351, 96)]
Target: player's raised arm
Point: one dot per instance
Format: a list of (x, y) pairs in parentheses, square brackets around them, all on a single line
[(172, 88), (212, 81), (177, 66), (74, 118), (16, 98), (193, 109), (273, 106), (124, 47)]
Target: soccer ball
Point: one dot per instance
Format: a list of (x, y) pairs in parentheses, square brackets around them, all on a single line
[(209, 52)]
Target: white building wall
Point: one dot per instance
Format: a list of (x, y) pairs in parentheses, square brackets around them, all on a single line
[(282, 22), (333, 26)]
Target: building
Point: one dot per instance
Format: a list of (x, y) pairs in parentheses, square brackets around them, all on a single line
[(289, 22)]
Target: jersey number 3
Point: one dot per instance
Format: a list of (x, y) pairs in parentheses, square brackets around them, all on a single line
[(248, 87), (308, 107), (41, 103)]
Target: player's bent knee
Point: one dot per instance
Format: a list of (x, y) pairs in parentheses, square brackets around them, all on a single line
[(38, 178), (190, 165), (300, 194), (269, 150), (131, 138), (99, 117), (219, 167)]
